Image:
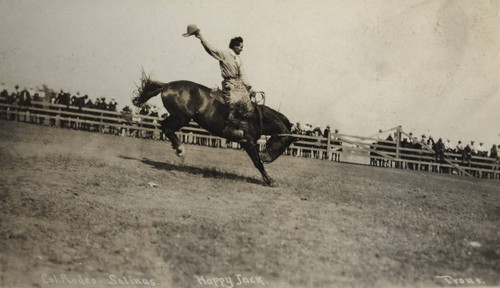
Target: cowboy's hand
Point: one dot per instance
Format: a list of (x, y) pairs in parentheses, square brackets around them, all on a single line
[(252, 93), (197, 34)]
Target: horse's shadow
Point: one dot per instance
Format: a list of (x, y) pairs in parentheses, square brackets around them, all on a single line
[(204, 172)]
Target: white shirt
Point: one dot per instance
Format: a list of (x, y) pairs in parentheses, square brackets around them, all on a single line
[(448, 145), (230, 63), (481, 148)]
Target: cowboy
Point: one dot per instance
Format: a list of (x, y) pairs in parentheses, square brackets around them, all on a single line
[(235, 85)]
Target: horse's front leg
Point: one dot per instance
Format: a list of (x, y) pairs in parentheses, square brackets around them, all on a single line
[(252, 151)]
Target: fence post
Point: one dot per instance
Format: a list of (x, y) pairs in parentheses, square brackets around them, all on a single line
[(58, 117), (398, 144), (328, 143)]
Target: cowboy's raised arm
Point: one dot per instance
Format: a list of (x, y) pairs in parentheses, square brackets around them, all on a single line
[(209, 48)]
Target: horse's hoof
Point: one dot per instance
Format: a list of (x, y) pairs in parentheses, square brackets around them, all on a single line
[(272, 183), (180, 151)]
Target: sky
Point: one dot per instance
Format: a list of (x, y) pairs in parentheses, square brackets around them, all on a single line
[(359, 66)]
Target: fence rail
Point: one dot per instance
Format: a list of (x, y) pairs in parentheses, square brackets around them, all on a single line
[(333, 147)]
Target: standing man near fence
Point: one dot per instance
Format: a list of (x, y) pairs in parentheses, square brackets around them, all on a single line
[(235, 85)]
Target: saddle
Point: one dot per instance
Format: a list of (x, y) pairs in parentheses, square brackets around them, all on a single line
[(241, 110)]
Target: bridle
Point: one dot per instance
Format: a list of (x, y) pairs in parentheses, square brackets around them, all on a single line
[(260, 111)]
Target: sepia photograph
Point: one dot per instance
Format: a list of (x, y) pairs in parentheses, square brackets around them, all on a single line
[(249, 143)]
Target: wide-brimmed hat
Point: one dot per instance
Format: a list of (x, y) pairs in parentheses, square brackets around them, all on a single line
[(191, 29)]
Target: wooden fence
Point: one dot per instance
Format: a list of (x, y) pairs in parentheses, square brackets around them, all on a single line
[(367, 150)]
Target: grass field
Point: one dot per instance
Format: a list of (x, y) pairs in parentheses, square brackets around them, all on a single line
[(82, 205)]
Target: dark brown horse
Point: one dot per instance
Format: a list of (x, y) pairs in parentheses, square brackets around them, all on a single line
[(186, 101)]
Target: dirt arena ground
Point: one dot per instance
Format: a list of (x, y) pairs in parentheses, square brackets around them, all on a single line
[(94, 210)]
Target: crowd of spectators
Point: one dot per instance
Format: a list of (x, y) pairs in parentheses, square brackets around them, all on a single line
[(308, 147), (468, 150), (40, 97), (307, 130), (417, 153), (23, 97), (31, 96)]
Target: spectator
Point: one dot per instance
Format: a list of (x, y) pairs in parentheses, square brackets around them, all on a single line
[(481, 150), (494, 152), (431, 144), (102, 104), (53, 98), (473, 148), (326, 132), (112, 105), (60, 97), (317, 131), (405, 143), (154, 111), (467, 154), (459, 148), (24, 98), (389, 138), (440, 148), (423, 142), (127, 113), (80, 102), (308, 130), (448, 146), (145, 110), (89, 103), (36, 96), (97, 103), (63, 98), (296, 129), (336, 141), (31, 91), (41, 94)]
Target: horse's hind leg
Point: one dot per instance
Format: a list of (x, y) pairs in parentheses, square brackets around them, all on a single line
[(169, 126)]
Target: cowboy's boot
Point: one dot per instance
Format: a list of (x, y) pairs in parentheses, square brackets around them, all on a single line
[(231, 132)]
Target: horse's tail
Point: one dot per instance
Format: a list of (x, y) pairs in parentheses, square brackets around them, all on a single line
[(148, 89)]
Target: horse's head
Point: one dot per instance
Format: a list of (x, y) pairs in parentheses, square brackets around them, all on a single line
[(275, 146)]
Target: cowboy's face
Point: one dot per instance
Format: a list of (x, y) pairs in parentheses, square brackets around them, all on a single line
[(238, 48)]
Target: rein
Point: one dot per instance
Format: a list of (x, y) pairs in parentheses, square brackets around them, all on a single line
[(260, 111)]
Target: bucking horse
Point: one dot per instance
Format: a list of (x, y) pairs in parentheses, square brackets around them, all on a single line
[(186, 101)]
